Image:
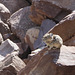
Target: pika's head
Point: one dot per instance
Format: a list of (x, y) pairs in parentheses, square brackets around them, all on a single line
[(47, 37)]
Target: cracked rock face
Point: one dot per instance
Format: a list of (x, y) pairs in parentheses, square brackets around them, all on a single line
[(20, 22)]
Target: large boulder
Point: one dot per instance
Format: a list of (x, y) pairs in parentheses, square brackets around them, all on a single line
[(70, 42), (4, 13), (8, 47), (45, 7), (11, 65), (36, 17), (54, 62), (14, 5), (65, 4), (66, 27), (20, 22)]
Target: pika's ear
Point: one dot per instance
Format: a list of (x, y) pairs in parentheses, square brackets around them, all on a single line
[(51, 34)]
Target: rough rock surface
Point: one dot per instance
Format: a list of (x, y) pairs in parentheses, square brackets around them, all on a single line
[(1, 38), (53, 62), (31, 36), (66, 27), (8, 47), (14, 5), (36, 17), (66, 4), (4, 13), (4, 28), (11, 65), (20, 22), (45, 27), (46, 8), (70, 42)]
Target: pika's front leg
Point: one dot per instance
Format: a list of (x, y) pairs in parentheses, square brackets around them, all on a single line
[(49, 48)]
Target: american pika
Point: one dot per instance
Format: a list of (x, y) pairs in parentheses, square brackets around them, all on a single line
[(52, 40)]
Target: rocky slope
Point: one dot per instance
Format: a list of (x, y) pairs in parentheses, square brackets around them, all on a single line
[(22, 26)]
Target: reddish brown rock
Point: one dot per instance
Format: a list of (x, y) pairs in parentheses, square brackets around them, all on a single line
[(14, 5), (53, 62), (20, 22), (46, 8), (66, 27), (61, 15), (70, 42), (65, 4), (36, 17)]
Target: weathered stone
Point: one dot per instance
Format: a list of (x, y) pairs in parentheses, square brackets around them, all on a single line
[(12, 37), (1, 38), (54, 62), (70, 42), (46, 8), (8, 47), (66, 27), (36, 17), (4, 28), (31, 36), (61, 15), (65, 4), (20, 22), (14, 5), (11, 65), (4, 13), (45, 27)]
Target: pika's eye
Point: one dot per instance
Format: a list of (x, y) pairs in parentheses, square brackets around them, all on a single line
[(54, 38)]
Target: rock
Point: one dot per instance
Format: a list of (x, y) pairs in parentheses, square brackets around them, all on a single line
[(65, 4), (12, 37), (31, 36), (53, 62), (8, 47), (29, 1), (14, 5), (45, 27), (70, 42), (11, 65), (61, 15), (4, 13), (20, 22), (4, 28), (1, 38), (36, 17), (45, 7), (66, 27)]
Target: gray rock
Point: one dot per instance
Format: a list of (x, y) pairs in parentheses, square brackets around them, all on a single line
[(1, 38), (4, 13), (11, 65), (14, 5), (20, 22), (4, 28), (8, 47)]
